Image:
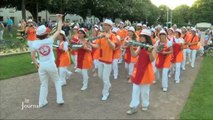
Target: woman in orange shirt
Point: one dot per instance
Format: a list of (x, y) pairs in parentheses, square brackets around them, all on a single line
[(143, 74), (95, 52), (177, 56), (116, 54), (30, 31), (84, 57), (63, 58), (128, 58), (74, 53), (163, 59)]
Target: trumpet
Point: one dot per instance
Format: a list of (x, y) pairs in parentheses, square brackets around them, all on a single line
[(94, 38)]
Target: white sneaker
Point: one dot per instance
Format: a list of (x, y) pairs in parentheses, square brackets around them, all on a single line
[(144, 108), (192, 66), (169, 75), (131, 111), (60, 102), (77, 70), (164, 89), (43, 105), (183, 68), (177, 81), (69, 76), (104, 98), (154, 81), (83, 88), (116, 78)]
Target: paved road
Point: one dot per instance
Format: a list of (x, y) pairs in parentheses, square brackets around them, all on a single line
[(87, 105)]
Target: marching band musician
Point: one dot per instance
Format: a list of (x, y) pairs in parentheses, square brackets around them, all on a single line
[(84, 57), (95, 52), (63, 58), (128, 58), (143, 74), (107, 45), (177, 56), (163, 59)]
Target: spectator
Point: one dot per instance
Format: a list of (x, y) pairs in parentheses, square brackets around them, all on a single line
[(9, 26), (66, 29), (1, 30)]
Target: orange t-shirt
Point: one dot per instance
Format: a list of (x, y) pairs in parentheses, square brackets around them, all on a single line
[(117, 51), (74, 39), (84, 59), (164, 61), (63, 57), (122, 33), (31, 34), (106, 52), (143, 72), (95, 52), (193, 39)]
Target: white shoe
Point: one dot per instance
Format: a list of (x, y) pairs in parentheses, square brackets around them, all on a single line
[(116, 78), (177, 81), (60, 102), (192, 66), (183, 68), (164, 89), (144, 108), (83, 88), (104, 98), (63, 83), (43, 105), (69, 76), (187, 62), (154, 81), (77, 70), (131, 111)]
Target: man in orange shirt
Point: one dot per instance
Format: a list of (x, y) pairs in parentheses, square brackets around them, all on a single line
[(192, 43), (107, 45)]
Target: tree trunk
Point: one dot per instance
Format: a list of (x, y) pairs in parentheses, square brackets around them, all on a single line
[(23, 10)]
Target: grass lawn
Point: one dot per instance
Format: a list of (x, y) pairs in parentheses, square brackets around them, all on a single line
[(16, 65), (200, 101)]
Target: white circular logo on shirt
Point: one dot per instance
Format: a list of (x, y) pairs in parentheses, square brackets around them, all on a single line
[(44, 50)]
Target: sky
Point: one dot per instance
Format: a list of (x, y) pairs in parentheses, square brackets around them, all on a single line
[(172, 3)]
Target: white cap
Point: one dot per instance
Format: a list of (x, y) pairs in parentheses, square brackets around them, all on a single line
[(172, 29), (41, 30), (158, 26), (152, 29), (82, 29), (63, 33), (115, 29), (178, 30), (193, 29), (122, 22), (30, 20), (139, 25), (146, 32), (162, 32), (76, 27), (131, 28), (144, 25), (108, 21), (96, 27)]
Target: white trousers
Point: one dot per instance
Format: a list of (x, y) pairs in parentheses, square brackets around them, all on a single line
[(137, 91), (164, 76), (188, 54), (74, 60), (1, 34), (130, 68), (177, 71), (193, 57), (49, 71), (95, 62), (115, 67), (85, 76), (184, 58), (63, 73), (104, 71)]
